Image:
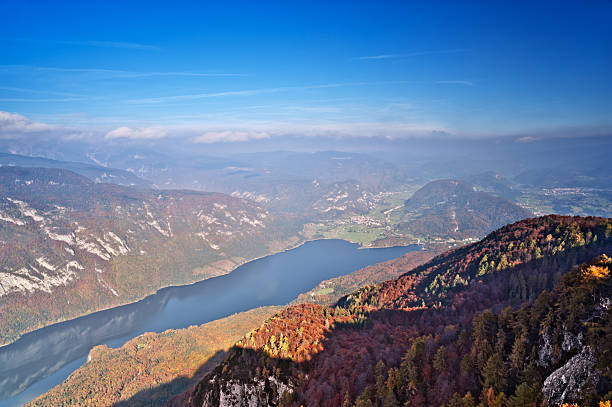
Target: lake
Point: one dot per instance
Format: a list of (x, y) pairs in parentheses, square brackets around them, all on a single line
[(44, 358)]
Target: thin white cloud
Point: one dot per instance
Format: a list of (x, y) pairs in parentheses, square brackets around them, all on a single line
[(26, 100), (98, 44), (204, 130), (410, 54), (458, 82), (38, 91), (382, 56), (176, 98), (193, 74), (260, 129), (253, 92), (18, 127), (229, 136), (68, 97), (313, 109), (116, 73), (112, 44), (143, 133)]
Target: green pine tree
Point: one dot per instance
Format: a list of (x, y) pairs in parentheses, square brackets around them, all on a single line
[(525, 396)]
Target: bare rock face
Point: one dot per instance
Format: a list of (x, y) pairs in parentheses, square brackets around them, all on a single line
[(570, 341), (564, 384), (545, 350), (251, 393)]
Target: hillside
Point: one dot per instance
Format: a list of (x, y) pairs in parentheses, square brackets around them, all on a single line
[(329, 291), (509, 314), (451, 209), (70, 246)]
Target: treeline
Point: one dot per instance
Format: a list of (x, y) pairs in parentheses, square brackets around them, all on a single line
[(330, 291)]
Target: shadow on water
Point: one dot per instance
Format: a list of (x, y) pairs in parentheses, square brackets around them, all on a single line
[(44, 358), (39, 354)]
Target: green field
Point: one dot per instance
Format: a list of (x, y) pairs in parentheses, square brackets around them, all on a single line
[(377, 224)]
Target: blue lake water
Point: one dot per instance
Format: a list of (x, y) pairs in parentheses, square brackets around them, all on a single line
[(44, 358)]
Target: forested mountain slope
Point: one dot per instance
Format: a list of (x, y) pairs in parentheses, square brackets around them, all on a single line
[(69, 246), (328, 292), (509, 314)]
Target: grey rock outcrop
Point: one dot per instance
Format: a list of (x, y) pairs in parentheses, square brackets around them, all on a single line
[(564, 384), (238, 392)]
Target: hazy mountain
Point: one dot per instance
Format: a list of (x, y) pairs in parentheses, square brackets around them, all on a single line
[(72, 246), (494, 184), (455, 209), (178, 163), (95, 173)]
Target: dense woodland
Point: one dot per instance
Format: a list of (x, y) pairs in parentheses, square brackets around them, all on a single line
[(485, 324)]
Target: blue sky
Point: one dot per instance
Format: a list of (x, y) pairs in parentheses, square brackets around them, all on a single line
[(230, 70)]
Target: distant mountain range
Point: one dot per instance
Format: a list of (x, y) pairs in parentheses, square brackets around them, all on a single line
[(590, 175), (72, 246), (95, 173), (455, 209)]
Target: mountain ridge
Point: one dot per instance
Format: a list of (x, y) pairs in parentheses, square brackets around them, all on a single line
[(94, 172), (71, 246)]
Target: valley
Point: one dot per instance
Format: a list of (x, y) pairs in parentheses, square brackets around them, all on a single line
[(98, 245), (305, 204), (73, 246), (263, 282), (95, 246), (559, 242)]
